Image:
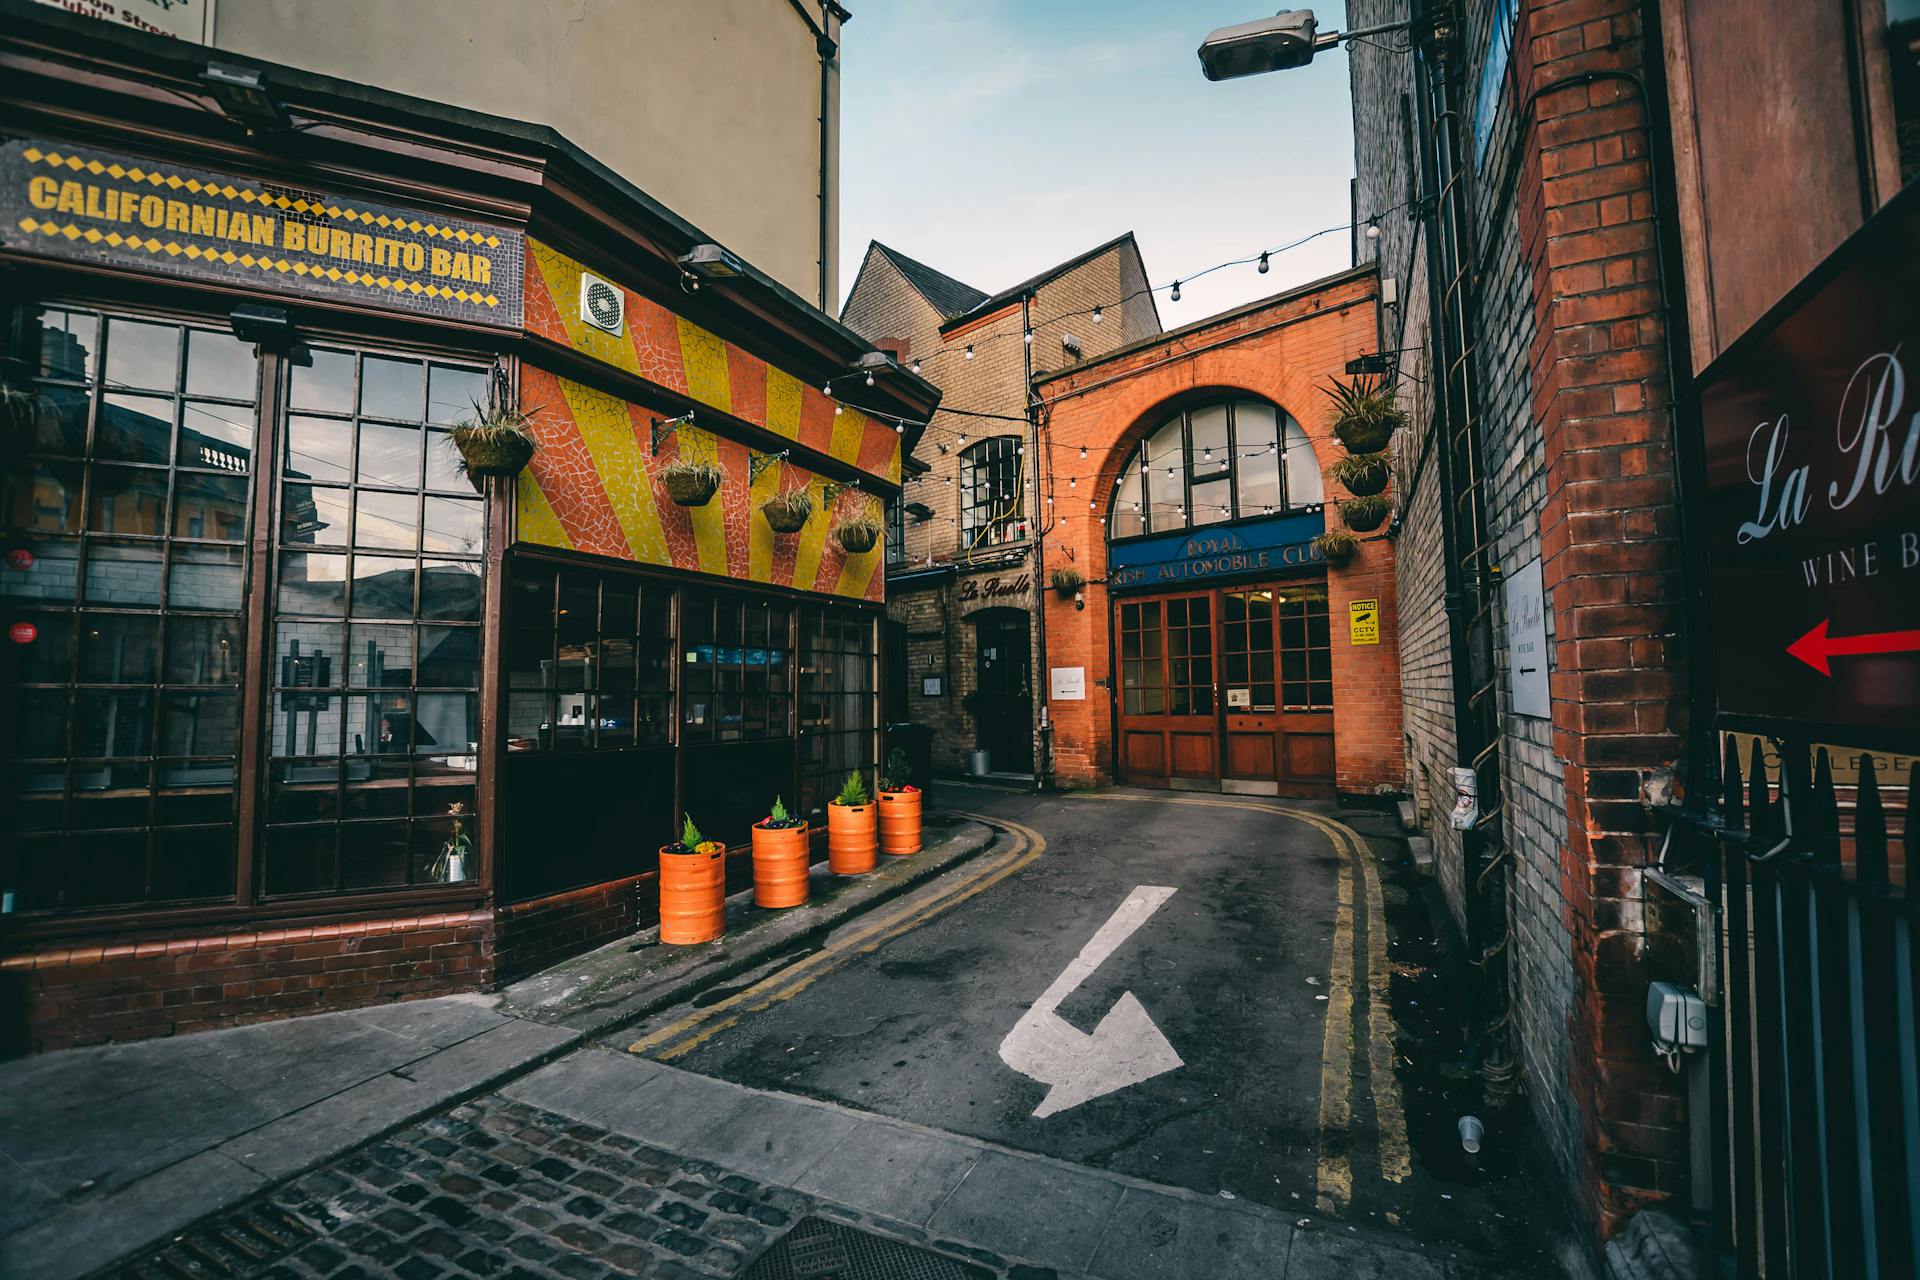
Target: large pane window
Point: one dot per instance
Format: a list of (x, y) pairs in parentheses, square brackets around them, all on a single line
[(374, 733), (1228, 461), (1306, 653), (838, 698), (129, 514), (993, 506), (590, 660)]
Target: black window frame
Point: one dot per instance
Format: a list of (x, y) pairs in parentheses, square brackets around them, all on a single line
[(1284, 426)]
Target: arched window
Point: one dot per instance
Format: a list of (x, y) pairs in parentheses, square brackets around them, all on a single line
[(1230, 460)]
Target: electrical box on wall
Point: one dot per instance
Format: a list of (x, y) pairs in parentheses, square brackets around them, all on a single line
[(601, 304)]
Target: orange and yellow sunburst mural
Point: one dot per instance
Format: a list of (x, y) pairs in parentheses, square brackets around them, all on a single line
[(677, 354), (594, 486)]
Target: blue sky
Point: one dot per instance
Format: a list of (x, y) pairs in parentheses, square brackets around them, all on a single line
[(994, 138)]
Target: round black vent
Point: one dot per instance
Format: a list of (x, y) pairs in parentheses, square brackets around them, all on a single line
[(603, 305)]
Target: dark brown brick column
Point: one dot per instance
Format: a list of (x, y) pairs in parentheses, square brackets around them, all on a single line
[(1611, 563)]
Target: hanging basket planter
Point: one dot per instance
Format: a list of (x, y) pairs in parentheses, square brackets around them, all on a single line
[(858, 536), (1366, 414), (1364, 515), (1363, 474), (788, 512), (1337, 546), (1067, 582), (691, 484), (495, 442)]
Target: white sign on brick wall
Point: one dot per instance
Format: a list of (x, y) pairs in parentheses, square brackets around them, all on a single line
[(1527, 642), (189, 20), (1069, 684)]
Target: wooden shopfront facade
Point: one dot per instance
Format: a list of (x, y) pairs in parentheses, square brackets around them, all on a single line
[(271, 656)]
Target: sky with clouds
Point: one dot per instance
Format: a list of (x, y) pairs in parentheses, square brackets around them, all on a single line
[(992, 139)]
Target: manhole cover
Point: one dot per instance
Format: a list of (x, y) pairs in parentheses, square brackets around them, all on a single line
[(818, 1249)]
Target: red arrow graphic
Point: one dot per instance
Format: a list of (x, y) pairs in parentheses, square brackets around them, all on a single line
[(1816, 647)]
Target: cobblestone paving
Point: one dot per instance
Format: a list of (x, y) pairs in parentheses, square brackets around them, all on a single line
[(491, 1188)]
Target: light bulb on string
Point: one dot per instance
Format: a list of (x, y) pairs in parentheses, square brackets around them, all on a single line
[(1073, 482), (1175, 295), (1083, 451), (826, 389), (1097, 317), (1029, 337), (1263, 263), (869, 379), (969, 351), (1373, 230), (916, 364)]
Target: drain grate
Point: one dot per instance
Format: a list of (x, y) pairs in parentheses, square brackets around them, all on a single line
[(820, 1249)]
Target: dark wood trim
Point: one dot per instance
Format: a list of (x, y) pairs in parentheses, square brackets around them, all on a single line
[(691, 577), (491, 766), (149, 920), (255, 700)]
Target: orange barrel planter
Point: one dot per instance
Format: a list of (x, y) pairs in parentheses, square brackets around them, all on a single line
[(780, 858), (852, 844), (693, 894), (900, 822)]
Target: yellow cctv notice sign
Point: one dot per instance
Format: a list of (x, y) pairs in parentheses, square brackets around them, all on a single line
[(1363, 621)]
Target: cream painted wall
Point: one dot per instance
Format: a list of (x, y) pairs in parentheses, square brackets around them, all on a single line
[(709, 106)]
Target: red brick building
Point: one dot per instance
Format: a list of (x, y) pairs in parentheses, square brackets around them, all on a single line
[(1209, 644)]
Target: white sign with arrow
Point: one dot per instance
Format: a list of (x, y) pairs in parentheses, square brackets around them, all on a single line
[(1124, 1049)]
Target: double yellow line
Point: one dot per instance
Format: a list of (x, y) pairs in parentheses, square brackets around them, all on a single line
[(1339, 1064), (695, 1029)]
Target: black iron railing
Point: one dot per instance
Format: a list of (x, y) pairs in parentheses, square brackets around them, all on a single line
[(1816, 1106)]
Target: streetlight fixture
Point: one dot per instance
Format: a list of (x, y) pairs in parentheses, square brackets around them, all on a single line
[(1287, 40)]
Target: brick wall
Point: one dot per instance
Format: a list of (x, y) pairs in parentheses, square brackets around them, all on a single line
[(68, 994), (531, 936), (1283, 350), (1573, 432)]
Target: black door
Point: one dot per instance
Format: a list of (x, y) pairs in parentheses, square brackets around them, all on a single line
[(1004, 689)]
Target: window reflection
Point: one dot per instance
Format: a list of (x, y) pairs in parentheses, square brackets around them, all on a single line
[(1235, 461)]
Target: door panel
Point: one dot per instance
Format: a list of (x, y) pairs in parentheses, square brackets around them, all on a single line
[(1227, 685)]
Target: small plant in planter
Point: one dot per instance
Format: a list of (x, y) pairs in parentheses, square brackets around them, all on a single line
[(781, 852), (691, 484), (852, 830), (496, 441), (1363, 474), (1067, 582), (1364, 514), (1337, 545), (899, 807), (1366, 413), (857, 535), (788, 512), (693, 895)]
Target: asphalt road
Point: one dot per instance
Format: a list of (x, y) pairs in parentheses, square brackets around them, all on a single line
[(1236, 969)]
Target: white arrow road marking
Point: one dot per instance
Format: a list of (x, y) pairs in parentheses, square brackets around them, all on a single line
[(1124, 1049)]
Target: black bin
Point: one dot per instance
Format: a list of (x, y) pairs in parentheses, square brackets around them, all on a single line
[(917, 741)]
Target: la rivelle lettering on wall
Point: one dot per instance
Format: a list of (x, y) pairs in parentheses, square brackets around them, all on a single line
[(995, 588), (82, 205), (1812, 432), (1259, 547)]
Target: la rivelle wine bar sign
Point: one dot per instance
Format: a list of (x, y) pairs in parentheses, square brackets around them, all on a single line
[(1812, 433), (82, 205)]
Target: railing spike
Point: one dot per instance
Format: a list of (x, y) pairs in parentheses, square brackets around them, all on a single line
[(1825, 813), (1732, 811), (1765, 815), (1869, 828)]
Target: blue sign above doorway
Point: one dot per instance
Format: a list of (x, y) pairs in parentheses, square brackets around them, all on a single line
[(1253, 548)]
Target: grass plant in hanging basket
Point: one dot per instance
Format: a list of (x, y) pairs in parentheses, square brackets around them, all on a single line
[(495, 441), (1364, 514), (1366, 413), (691, 484), (1337, 545), (788, 512), (1067, 582), (858, 535), (1363, 474)]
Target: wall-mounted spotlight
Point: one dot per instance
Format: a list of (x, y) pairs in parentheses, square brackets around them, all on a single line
[(244, 98), (711, 262)]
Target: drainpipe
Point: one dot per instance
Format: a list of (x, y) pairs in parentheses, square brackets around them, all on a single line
[(1043, 760), (826, 47)]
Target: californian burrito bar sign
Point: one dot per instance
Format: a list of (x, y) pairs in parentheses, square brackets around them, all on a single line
[(94, 207)]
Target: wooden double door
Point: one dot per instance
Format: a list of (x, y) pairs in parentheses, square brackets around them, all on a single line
[(1228, 689)]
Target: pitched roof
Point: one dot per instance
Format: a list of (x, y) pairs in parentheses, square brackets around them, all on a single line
[(1000, 299), (948, 296)]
